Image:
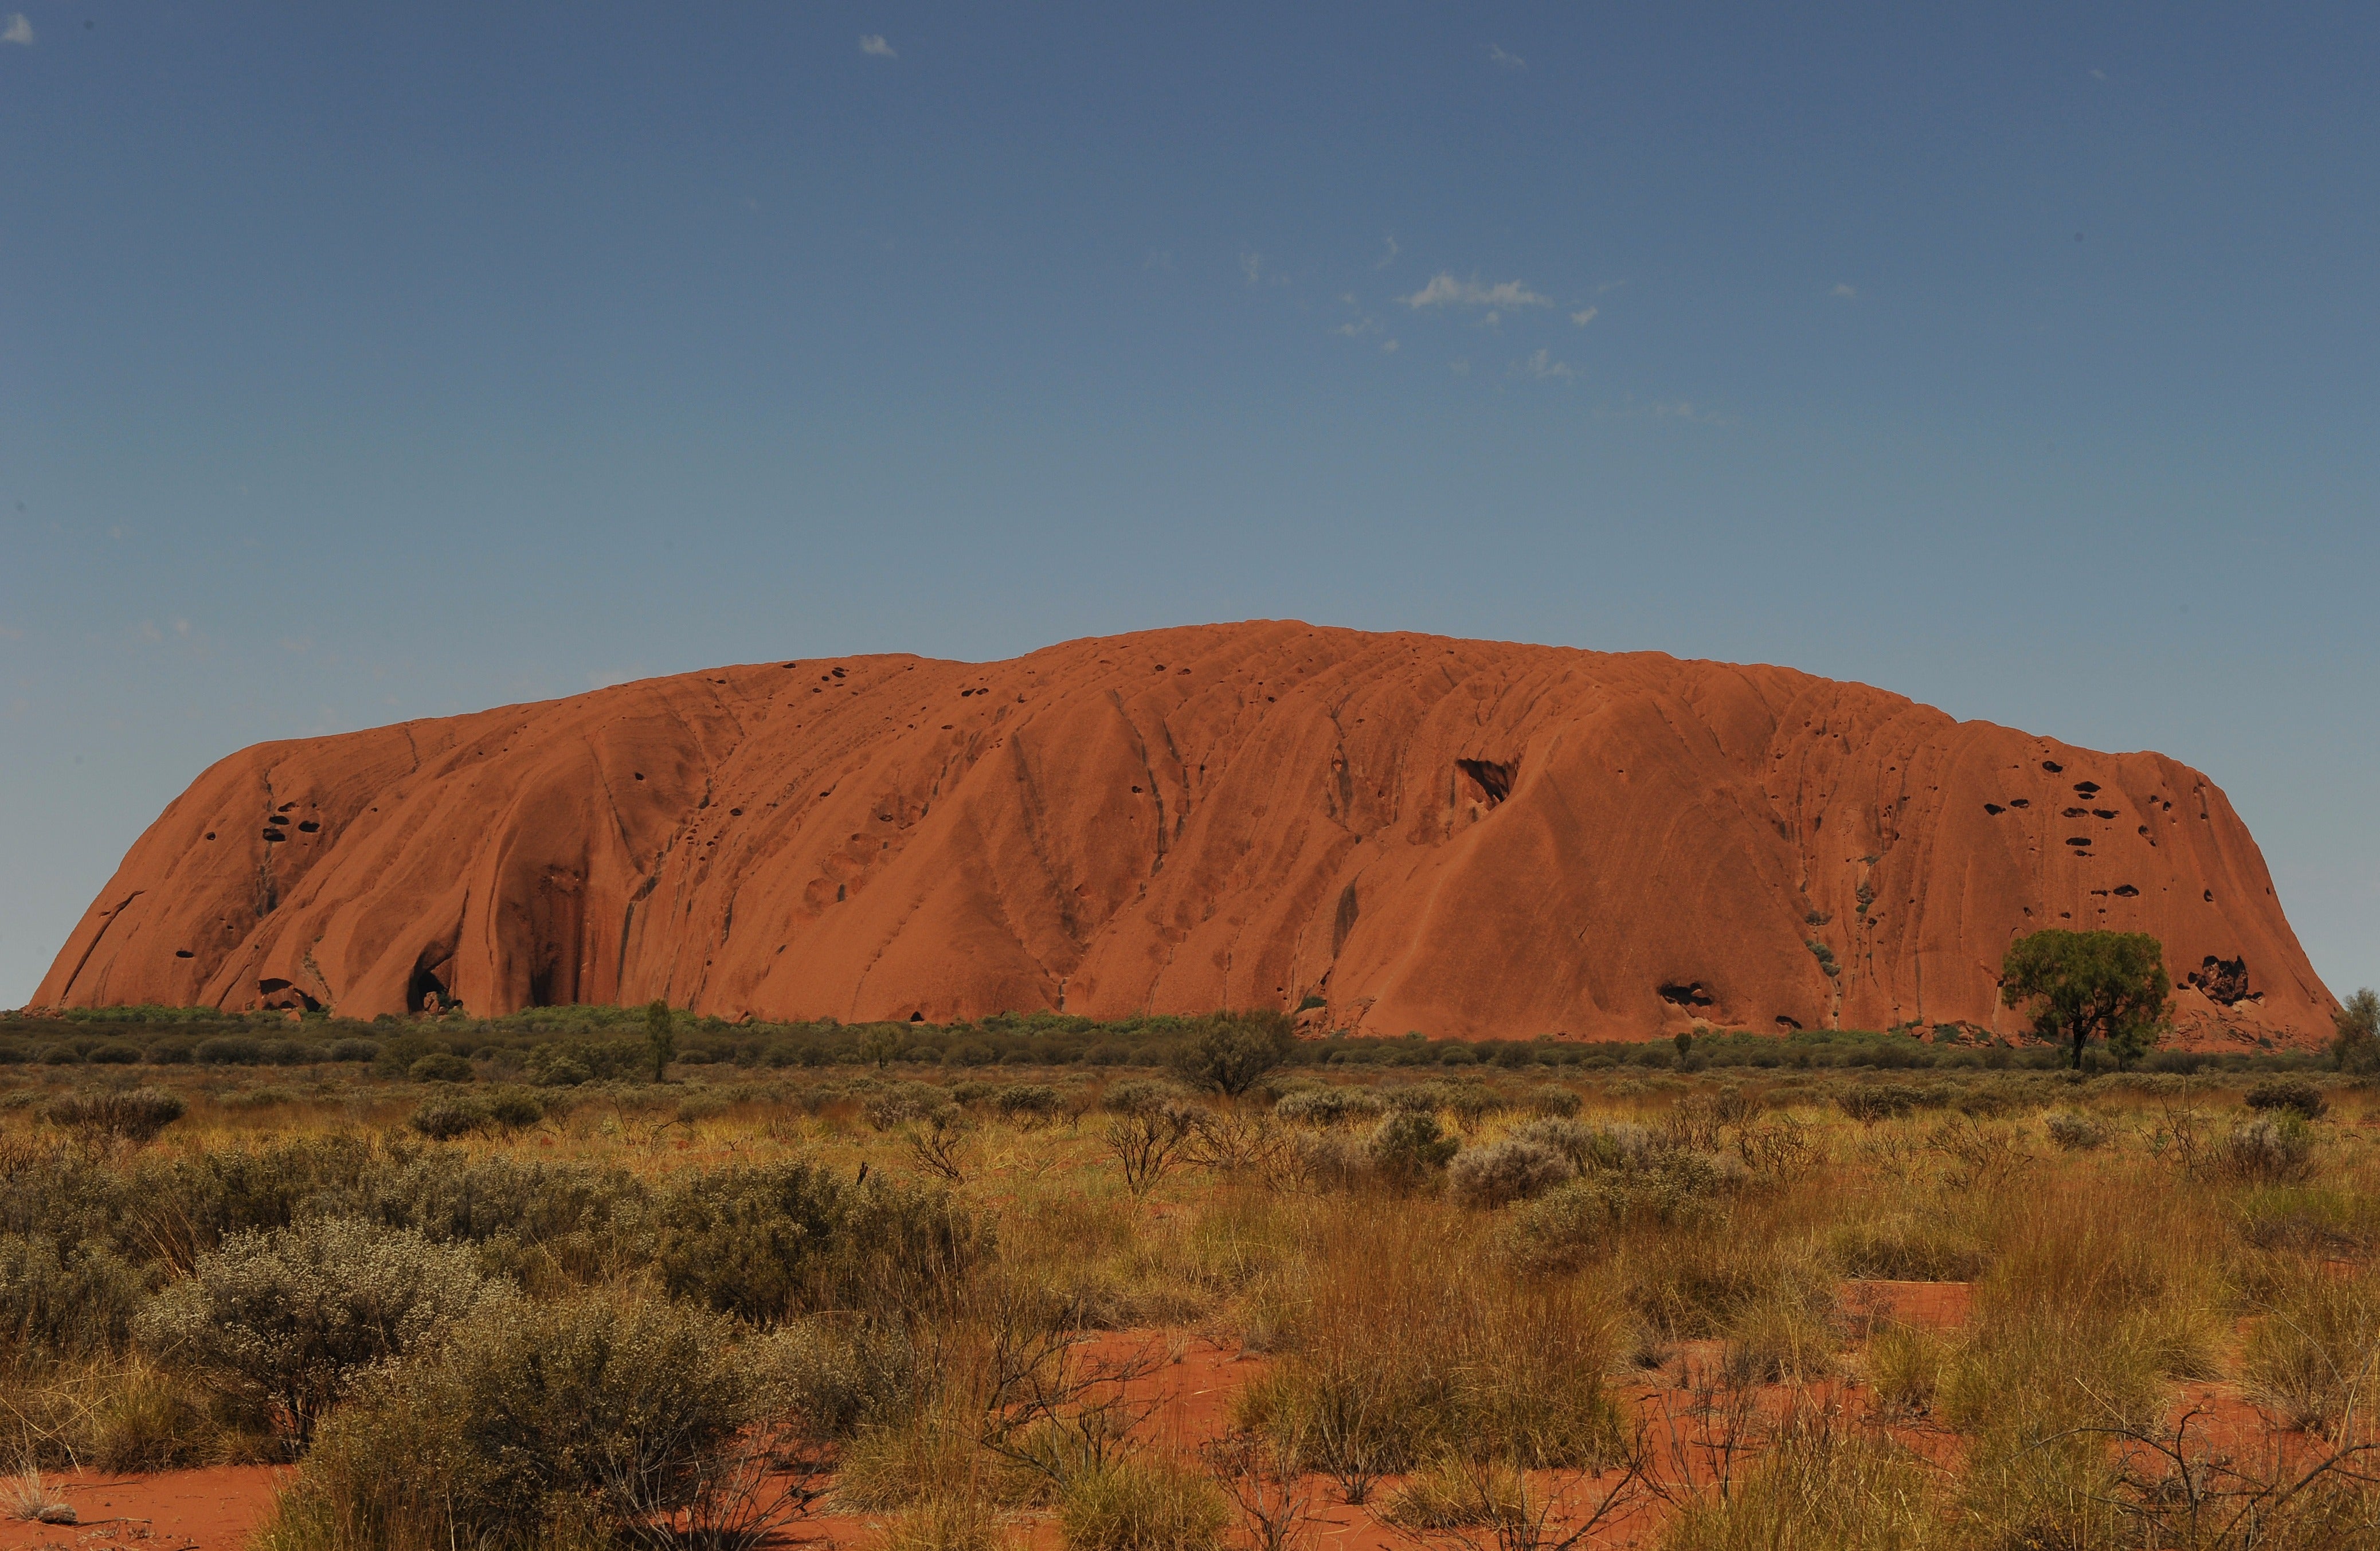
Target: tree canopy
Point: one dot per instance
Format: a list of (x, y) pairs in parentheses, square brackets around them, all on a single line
[(1230, 1051), (2086, 985), (660, 1039), (2356, 1043)]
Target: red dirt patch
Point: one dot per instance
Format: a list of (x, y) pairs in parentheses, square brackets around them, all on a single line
[(211, 1509), (1923, 1305)]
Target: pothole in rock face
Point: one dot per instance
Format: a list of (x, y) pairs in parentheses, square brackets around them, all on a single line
[(2223, 981), (1494, 778)]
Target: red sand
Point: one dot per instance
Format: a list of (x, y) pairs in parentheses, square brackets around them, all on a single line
[(1467, 838), (1194, 1382), (212, 1509)]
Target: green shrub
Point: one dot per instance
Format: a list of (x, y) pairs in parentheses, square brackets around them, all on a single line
[(1879, 1101), (515, 1108), (229, 1049), (2293, 1094), (1574, 1222), (439, 1067), (354, 1049), (542, 1223), (1026, 1103), (1141, 1504), (2072, 1131), (63, 1300), (1416, 1098), (592, 1420), (2274, 1150), (769, 1243), (1553, 1100), (443, 1120), (134, 1115), (113, 1053), (1143, 1095), (295, 1314), (1227, 1052), (1327, 1105), (1409, 1147), (841, 1377), (896, 1103)]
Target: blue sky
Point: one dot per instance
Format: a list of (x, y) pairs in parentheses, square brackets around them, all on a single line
[(356, 366)]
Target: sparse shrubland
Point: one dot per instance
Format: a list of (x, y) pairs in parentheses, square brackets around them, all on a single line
[(942, 1279)]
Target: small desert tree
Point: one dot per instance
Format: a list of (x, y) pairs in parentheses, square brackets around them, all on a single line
[(2355, 1044), (660, 1040), (2086, 985), (1230, 1051)]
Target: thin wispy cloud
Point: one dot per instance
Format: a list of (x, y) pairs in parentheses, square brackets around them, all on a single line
[(1544, 368), (1848, 292), (1444, 290), (1251, 265), (1584, 316), (1504, 60), (874, 45), (19, 30), (1390, 256), (1361, 324)]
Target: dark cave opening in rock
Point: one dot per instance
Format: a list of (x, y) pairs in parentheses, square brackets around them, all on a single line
[(1493, 778), (422, 986)]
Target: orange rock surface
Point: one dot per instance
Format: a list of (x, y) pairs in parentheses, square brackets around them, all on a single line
[(1466, 838)]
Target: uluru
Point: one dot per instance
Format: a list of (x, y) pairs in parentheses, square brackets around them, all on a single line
[(1391, 831)]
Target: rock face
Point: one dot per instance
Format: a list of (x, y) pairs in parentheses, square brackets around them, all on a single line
[(1464, 838)]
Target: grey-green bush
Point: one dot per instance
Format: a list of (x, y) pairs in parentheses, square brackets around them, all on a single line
[(2291, 1094), (298, 1314), (63, 1300), (766, 1243), (2074, 1131), (540, 1424), (440, 1068), (1409, 1147), (133, 1115), (1504, 1171), (445, 1120), (1327, 1105), (1569, 1224), (842, 1375), (1552, 1098), (2278, 1149)]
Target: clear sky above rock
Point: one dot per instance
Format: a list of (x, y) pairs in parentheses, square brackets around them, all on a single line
[(359, 365)]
